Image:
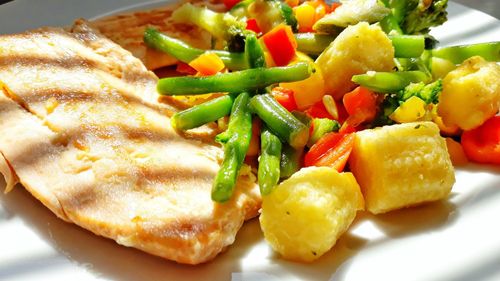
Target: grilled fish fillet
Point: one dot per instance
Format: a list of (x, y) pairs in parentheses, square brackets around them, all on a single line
[(127, 29), (81, 128)]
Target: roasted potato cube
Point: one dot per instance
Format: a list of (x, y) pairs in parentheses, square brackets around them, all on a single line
[(306, 214), (401, 165), (356, 50), (471, 94)]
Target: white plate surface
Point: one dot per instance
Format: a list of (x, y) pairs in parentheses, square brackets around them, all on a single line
[(458, 239)]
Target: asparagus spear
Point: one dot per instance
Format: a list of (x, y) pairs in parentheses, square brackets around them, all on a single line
[(291, 159), (235, 149), (388, 82), (185, 53), (239, 81), (203, 113), (279, 120), (269, 161)]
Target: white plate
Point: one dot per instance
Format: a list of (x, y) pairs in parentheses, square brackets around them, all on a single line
[(458, 239)]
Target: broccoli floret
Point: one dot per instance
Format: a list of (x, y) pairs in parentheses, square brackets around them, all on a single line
[(414, 16), (424, 15), (428, 93)]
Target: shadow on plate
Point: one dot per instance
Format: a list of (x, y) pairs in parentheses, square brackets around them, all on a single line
[(104, 258), (414, 220)]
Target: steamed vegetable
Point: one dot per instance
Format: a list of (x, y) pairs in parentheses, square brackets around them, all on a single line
[(471, 94), (203, 113), (482, 144), (267, 13), (386, 82), (245, 80), (254, 53), (332, 150), (358, 49), (351, 13), (306, 214), (281, 44), (401, 165), (185, 53), (235, 148), (221, 25), (279, 120), (414, 16), (269, 161), (321, 127), (457, 54), (291, 161)]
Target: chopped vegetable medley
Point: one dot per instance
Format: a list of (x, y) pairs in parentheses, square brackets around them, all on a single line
[(355, 86)]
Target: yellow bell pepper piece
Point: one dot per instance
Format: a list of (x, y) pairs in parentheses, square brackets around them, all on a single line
[(411, 110)]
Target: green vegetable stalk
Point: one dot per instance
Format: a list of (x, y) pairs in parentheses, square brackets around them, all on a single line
[(203, 113), (254, 53), (185, 53), (457, 54), (235, 149), (281, 122), (269, 161), (313, 43), (233, 82), (405, 46), (291, 160), (388, 82), (408, 46)]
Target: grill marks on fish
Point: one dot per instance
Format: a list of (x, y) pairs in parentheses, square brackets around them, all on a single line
[(83, 130)]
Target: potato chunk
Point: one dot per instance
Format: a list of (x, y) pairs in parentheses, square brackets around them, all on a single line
[(356, 50), (305, 215), (401, 165), (471, 94)]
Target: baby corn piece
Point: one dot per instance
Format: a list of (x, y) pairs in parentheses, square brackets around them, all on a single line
[(401, 165)]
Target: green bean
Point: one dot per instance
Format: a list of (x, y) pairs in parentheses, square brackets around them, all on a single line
[(269, 161), (457, 54), (185, 53), (291, 160), (235, 149), (254, 52), (233, 82), (312, 43), (388, 82), (408, 46), (279, 120), (203, 113)]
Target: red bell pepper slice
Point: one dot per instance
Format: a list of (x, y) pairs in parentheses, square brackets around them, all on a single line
[(362, 103), (482, 144), (284, 97), (281, 44), (230, 3), (253, 26), (332, 150)]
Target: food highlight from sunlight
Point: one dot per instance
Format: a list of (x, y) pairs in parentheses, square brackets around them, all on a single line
[(317, 109), (362, 88)]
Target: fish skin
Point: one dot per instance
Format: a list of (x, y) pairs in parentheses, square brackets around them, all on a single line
[(83, 131)]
